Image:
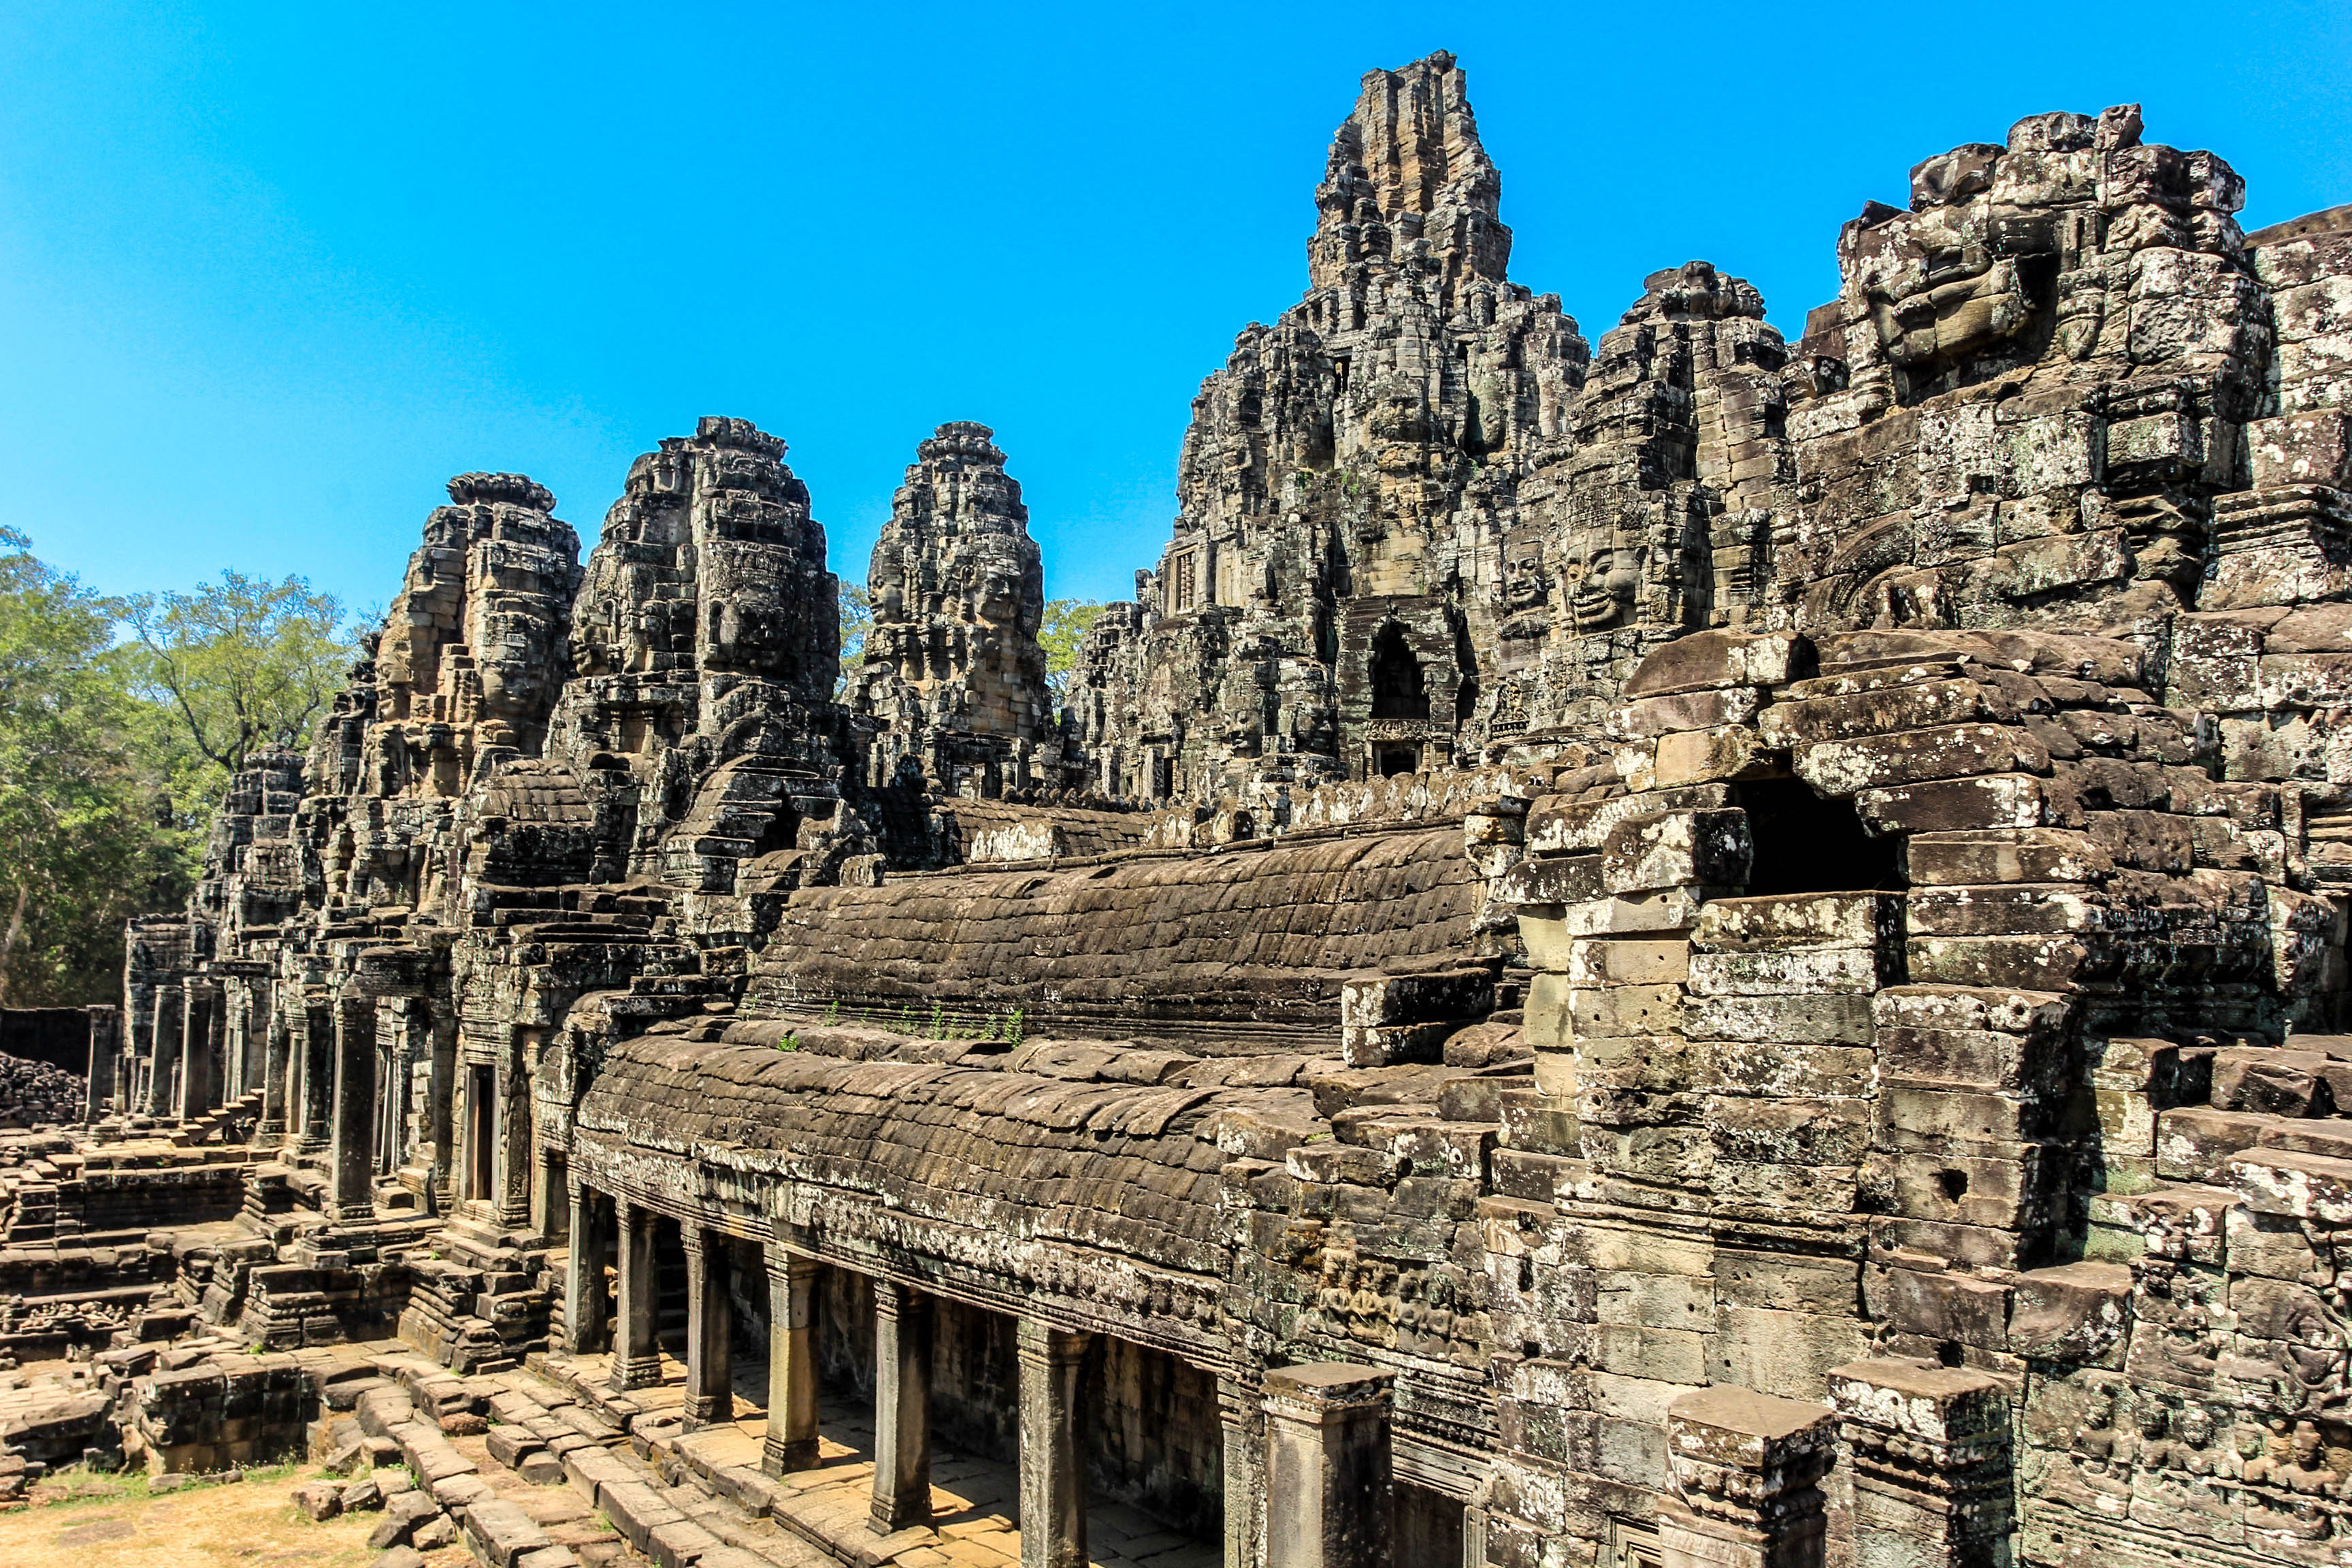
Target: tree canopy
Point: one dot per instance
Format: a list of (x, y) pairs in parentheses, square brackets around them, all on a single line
[(86, 838), (121, 722), (1063, 638), (231, 667)]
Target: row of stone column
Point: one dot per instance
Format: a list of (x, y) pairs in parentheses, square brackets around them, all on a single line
[(1319, 1436)]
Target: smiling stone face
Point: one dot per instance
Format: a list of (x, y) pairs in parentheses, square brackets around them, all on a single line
[(1601, 579), (1526, 584)]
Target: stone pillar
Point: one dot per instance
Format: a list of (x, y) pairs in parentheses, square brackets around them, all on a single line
[(1932, 1463), (637, 1358), (105, 1055), (1749, 1468), (200, 1050), (163, 1050), (710, 1322), (352, 1162), (511, 1153), (792, 1363), (1329, 1475), (583, 1273), (1053, 1466), (317, 1076), (902, 1408), (1240, 1411), (237, 1011), (275, 1069)]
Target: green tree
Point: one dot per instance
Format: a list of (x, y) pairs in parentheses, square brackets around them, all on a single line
[(1063, 637), (857, 620), (231, 667), (85, 841)]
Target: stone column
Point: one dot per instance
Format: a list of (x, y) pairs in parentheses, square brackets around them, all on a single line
[(164, 1051), (276, 1066), (637, 1358), (1932, 1463), (710, 1319), (1329, 1475), (440, 1110), (317, 1076), (792, 1363), (1749, 1468), (1241, 1411), (236, 1014), (352, 1161), (192, 1095), (511, 1154), (902, 1408), (583, 1273), (105, 1054), (1052, 1467)]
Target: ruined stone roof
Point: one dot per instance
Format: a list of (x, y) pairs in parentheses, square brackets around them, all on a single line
[(1257, 935), (1120, 1166)]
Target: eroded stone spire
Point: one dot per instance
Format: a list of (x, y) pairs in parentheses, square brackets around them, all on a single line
[(953, 672), (1409, 186)]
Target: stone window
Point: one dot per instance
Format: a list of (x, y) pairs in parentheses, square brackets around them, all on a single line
[(1181, 588)]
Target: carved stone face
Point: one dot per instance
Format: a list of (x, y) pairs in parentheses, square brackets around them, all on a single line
[(2306, 1444), (1524, 583), (1600, 580)]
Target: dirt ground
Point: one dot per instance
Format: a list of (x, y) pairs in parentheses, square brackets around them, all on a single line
[(82, 1521)]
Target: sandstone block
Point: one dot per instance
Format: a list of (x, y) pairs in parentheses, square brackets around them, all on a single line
[(1953, 805), (1799, 972), (1628, 961), (1878, 708), (1948, 1307), (1701, 709), (1708, 659), (2076, 1312), (2194, 1142), (1769, 1017), (2301, 450), (1616, 1010), (1676, 849), (1701, 756), (1798, 919)]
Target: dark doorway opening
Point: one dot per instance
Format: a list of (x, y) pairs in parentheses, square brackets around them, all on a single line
[(1395, 760), (669, 1286), (1806, 843), (1398, 689), (481, 1132)]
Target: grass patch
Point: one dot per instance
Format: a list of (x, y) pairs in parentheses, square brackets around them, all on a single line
[(80, 1483)]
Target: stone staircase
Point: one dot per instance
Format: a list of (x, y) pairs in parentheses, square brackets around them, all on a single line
[(528, 1475), (231, 1123)]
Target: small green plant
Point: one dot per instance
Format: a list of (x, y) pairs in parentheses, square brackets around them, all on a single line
[(791, 1042), (1013, 1033), (833, 1011), (938, 1023)]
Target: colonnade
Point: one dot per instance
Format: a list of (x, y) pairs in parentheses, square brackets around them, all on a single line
[(1307, 1471)]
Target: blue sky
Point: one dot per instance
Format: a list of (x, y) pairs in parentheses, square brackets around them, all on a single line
[(269, 275)]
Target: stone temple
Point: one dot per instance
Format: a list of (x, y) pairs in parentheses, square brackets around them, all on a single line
[(1678, 949)]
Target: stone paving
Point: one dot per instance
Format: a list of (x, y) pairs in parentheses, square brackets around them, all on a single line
[(974, 1500)]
